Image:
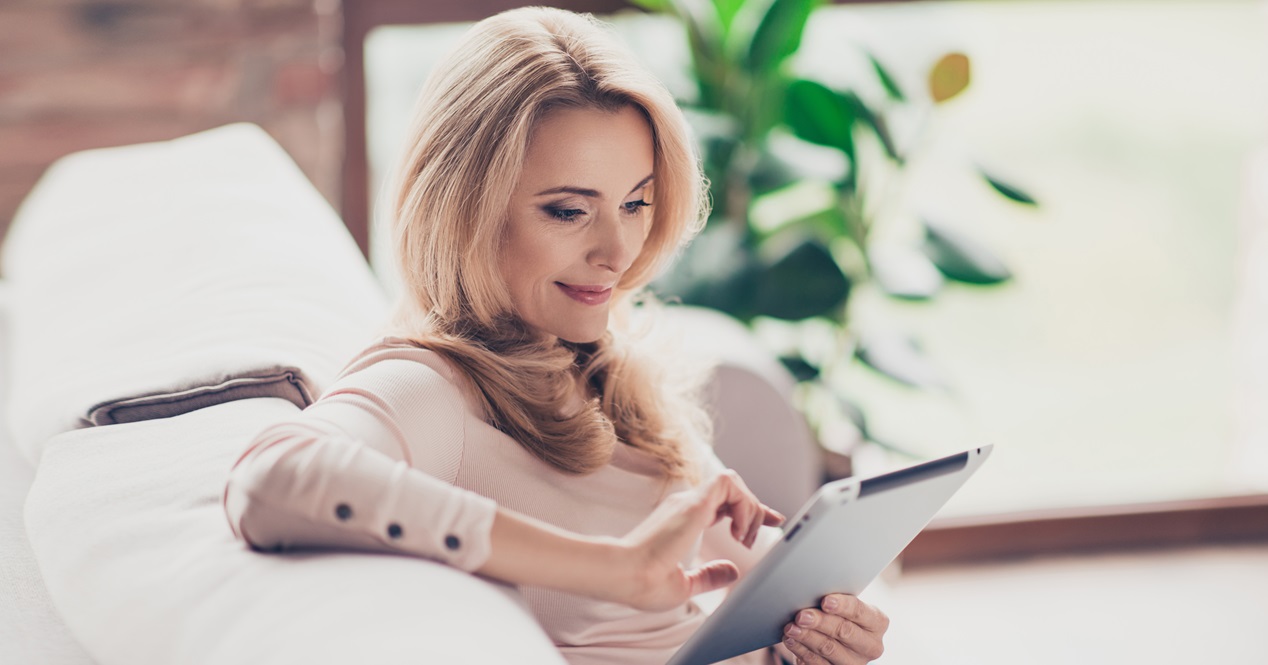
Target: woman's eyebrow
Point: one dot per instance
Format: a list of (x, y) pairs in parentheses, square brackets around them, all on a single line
[(642, 183), (590, 193), (594, 194)]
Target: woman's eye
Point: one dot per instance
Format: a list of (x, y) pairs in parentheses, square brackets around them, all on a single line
[(633, 206), (565, 214)]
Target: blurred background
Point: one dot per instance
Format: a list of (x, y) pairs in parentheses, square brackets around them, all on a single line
[(1040, 224)]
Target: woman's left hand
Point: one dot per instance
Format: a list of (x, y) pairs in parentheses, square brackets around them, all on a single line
[(843, 630)]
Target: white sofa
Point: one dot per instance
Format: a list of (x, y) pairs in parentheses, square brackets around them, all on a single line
[(164, 302)]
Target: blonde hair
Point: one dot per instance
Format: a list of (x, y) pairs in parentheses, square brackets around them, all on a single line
[(467, 146)]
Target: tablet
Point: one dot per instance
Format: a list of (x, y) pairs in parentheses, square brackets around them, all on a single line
[(838, 542)]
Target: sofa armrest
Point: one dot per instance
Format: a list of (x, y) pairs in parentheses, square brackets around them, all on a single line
[(757, 430)]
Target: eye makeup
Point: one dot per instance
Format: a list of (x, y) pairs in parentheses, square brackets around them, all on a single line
[(564, 211)]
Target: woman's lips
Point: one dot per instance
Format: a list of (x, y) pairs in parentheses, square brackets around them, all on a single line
[(585, 294)]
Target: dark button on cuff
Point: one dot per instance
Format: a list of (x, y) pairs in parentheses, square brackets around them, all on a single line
[(343, 511), (394, 531), (452, 542)]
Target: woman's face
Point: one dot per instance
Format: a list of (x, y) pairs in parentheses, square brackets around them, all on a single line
[(578, 218)]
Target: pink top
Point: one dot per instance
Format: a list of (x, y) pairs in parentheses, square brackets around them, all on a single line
[(396, 456)]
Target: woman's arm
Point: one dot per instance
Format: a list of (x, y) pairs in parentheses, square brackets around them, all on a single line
[(345, 474), (641, 569), (369, 466), (306, 484), (302, 487)]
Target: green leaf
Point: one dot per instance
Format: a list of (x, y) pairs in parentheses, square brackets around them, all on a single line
[(854, 412), (818, 114), (891, 86), (800, 283), (784, 159), (800, 368), (778, 33), (726, 10), (961, 258), (653, 5), (716, 270), (899, 358), (877, 123), (771, 172), (903, 272), (1009, 191), (800, 200), (705, 36)]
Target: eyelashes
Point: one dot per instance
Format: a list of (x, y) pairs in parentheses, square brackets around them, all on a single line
[(563, 214), (633, 207)]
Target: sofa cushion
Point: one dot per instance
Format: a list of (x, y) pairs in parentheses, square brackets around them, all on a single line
[(127, 524), (152, 279)]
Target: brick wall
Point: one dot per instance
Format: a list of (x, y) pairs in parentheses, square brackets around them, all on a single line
[(78, 74)]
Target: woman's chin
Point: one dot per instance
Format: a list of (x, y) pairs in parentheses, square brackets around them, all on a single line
[(586, 338), (582, 333)]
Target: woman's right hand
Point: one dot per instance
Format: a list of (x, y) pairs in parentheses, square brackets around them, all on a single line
[(653, 577)]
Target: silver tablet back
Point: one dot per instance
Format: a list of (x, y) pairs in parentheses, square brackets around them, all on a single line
[(839, 542)]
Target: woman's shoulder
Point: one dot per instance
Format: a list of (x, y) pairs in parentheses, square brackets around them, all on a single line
[(384, 355), (391, 347)]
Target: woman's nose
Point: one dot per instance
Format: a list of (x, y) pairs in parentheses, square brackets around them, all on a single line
[(617, 242)]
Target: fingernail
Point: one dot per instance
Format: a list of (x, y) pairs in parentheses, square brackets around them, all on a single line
[(830, 603), (790, 642), (794, 631), (805, 618)]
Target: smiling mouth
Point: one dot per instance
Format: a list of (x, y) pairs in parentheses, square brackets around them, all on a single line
[(586, 295)]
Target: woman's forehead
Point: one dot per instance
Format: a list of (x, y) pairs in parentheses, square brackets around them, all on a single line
[(605, 151)]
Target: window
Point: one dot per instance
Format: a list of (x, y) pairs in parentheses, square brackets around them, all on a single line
[(1128, 361)]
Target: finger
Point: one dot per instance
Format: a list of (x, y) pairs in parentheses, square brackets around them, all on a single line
[(738, 505), (751, 513), (756, 516), (741, 518), (785, 657), (850, 607), (716, 498), (712, 575), (744, 508), (750, 532), (824, 646), (772, 517), (848, 634), (804, 653), (728, 489)]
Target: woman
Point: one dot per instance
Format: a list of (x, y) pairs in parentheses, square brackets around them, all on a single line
[(511, 424)]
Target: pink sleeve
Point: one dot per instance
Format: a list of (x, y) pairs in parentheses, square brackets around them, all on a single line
[(369, 466)]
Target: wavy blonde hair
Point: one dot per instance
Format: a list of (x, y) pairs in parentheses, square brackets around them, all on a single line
[(466, 149)]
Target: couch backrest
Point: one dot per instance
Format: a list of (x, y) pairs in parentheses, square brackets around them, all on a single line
[(156, 278)]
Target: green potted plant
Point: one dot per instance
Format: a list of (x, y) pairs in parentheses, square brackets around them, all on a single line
[(797, 169)]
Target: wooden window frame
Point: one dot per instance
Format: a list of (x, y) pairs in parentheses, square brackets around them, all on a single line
[(1076, 530)]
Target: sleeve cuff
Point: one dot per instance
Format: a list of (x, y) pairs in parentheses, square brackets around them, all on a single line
[(468, 541), (444, 522)]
